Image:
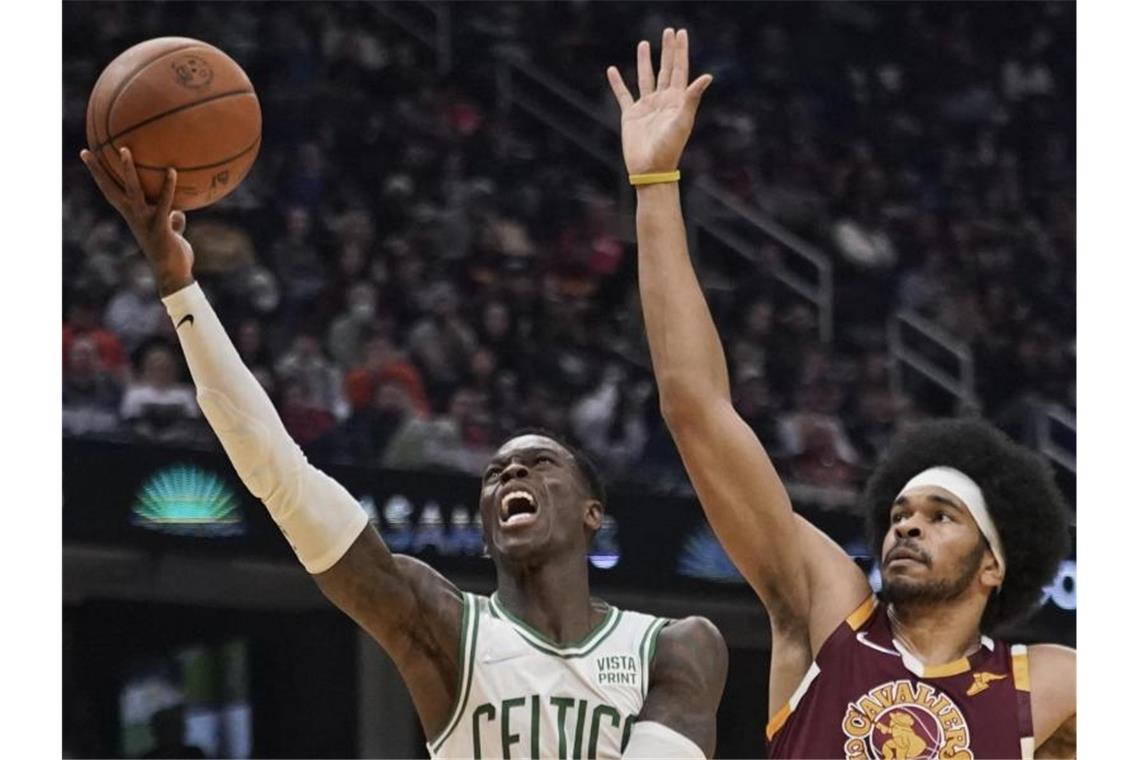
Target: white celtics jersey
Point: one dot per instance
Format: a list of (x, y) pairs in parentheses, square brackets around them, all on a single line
[(523, 696)]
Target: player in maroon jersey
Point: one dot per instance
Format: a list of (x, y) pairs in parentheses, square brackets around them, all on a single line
[(970, 525)]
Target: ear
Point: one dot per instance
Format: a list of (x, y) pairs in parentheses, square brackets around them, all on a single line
[(595, 513), (991, 575)]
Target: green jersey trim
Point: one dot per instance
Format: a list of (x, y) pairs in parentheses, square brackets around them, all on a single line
[(469, 634), (542, 643), (647, 648)]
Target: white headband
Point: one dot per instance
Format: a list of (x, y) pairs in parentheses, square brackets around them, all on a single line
[(962, 485)]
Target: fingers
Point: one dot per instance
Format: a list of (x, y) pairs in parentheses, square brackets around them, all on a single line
[(621, 92), (644, 70), (106, 184), (668, 46), (166, 196), (694, 91), (681, 60), (131, 177)]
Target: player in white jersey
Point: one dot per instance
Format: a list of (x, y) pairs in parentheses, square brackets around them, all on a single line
[(540, 669)]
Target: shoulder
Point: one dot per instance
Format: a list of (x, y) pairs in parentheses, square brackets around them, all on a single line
[(1052, 687), (686, 680), (691, 650), (1052, 665), (427, 583)]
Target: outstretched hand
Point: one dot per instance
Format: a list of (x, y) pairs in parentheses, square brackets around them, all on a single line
[(655, 127), (156, 227)]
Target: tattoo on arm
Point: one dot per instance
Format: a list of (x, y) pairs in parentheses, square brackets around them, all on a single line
[(686, 680)]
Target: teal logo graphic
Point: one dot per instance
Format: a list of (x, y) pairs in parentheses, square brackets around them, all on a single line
[(703, 557), (187, 501)]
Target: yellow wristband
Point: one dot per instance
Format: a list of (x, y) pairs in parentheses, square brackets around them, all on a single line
[(653, 179)]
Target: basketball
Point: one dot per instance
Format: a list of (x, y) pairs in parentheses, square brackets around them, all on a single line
[(176, 102)]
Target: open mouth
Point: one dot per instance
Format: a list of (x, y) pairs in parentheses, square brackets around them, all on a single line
[(517, 508)]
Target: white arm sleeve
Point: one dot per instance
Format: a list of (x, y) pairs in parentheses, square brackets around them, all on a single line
[(650, 740), (318, 516)]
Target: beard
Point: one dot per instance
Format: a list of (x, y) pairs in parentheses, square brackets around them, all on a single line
[(902, 591)]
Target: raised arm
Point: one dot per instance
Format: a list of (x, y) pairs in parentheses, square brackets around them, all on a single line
[(406, 606), (807, 583)]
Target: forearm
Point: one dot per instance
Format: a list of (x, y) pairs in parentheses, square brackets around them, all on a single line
[(318, 516), (688, 358)]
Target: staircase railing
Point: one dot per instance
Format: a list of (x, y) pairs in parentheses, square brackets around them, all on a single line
[(711, 209), (721, 215), (428, 22), (911, 342), (1054, 419)]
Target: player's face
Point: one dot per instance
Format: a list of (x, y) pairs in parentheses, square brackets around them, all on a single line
[(933, 550), (533, 501)]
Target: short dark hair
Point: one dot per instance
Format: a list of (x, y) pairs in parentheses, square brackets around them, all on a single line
[(586, 467), (1030, 513)]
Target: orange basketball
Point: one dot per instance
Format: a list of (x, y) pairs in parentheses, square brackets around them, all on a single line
[(176, 102)]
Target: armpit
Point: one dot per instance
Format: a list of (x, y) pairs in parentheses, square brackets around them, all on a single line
[(1063, 742)]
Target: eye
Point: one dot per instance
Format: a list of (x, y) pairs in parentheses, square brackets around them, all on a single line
[(491, 474), (941, 516), (897, 517), (541, 458)]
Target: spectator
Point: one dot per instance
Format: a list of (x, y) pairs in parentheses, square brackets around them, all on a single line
[(347, 334), (82, 322), (441, 341), (460, 440), (949, 191), (297, 263), (158, 406), (365, 436), (305, 418), (749, 349), (134, 313), (311, 380), (610, 420), (250, 344), (815, 439), (753, 401), (91, 395), (383, 362)]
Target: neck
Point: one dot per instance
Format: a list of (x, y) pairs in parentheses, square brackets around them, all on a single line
[(553, 597), (937, 633)]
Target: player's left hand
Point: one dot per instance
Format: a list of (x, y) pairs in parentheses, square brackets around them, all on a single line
[(655, 127)]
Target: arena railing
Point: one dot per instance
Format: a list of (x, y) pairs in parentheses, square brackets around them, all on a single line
[(1056, 435), (919, 345), (710, 209), (428, 22)]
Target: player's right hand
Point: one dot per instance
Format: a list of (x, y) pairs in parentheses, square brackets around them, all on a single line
[(156, 227)]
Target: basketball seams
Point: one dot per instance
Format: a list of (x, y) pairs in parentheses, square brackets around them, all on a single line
[(203, 167), (177, 109), (127, 80), (125, 89)]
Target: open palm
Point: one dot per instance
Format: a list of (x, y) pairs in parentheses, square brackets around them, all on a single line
[(655, 128)]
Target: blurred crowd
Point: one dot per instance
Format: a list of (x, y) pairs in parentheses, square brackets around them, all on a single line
[(413, 273)]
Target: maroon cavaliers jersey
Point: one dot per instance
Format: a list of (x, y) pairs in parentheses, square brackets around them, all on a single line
[(865, 696)]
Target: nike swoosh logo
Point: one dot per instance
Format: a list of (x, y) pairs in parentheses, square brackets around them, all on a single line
[(188, 318), (861, 637)]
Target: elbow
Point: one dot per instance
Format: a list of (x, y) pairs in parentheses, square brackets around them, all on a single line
[(684, 404)]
